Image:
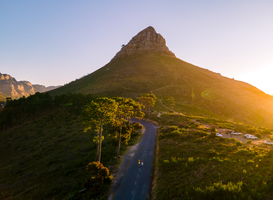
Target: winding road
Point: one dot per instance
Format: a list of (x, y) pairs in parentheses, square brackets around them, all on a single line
[(136, 182)]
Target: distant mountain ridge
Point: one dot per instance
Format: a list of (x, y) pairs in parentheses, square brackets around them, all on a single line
[(10, 87)]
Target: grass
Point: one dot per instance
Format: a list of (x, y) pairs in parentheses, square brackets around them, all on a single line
[(167, 76), (46, 158), (193, 164)]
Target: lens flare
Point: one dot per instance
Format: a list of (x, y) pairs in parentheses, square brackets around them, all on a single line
[(207, 94)]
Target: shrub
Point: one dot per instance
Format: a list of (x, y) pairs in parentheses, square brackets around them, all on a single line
[(202, 133), (173, 133), (212, 135), (166, 161), (249, 142), (239, 143), (99, 176), (137, 126), (219, 191), (173, 128), (251, 130), (213, 130), (264, 131), (174, 160), (258, 135)]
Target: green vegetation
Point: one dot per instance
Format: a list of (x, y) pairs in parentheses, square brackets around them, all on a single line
[(100, 177), (44, 150), (148, 100), (25, 110), (195, 91), (193, 164), (126, 109), (99, 112)]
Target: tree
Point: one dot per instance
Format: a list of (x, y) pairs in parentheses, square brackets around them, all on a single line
[(99, 112), (127, 108), (92, 124), (148, 100), (99, 176), (138, 107)]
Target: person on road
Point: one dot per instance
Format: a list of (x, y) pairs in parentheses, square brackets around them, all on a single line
[(142, 163), (138, 162)]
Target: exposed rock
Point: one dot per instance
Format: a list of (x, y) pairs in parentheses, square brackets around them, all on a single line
[(39, 88), (28, 88), (9, 87), (145, 40), (6, 77)]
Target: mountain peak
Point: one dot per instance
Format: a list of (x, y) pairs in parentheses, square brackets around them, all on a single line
[(146, 40), (5, 77)]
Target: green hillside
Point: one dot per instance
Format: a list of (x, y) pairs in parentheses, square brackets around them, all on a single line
[(192, 163), (44, 150), (196, 90)]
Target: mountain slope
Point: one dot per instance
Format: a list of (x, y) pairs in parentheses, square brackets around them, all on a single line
[(146, 66)]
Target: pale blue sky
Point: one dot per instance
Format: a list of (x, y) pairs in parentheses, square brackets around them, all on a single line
[(53, 42)]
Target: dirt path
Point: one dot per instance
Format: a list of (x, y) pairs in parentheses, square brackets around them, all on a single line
[(237, 137)]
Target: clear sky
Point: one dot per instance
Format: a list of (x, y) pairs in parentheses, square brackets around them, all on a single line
[(53, 42)]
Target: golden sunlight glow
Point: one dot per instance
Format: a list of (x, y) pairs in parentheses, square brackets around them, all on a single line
[(262, 78)]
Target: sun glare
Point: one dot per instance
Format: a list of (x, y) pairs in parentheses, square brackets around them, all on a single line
[(260, 78)]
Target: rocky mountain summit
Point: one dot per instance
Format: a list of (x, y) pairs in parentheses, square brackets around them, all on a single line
[(10, 87), (146, 40)]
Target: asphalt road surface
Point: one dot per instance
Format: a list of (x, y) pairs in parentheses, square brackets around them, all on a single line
[(136, 182)]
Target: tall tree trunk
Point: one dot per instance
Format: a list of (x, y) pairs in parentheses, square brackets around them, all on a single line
[(98, 147), (100, 141), (120, 130)]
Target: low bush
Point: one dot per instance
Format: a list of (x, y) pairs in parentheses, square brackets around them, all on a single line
[(99, 176), (251, 130), (213, 129), (239, 143), (219, 191), (258, 135), (173, 133), (202, 133), (213, 135), (137, 126), (172, 128)]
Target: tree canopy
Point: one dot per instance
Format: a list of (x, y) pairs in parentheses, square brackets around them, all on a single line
[(148, 100), (97, 113)]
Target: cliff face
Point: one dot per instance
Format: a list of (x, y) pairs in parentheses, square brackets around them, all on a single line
[(146, 40), (10, 87)]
